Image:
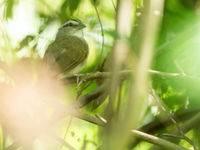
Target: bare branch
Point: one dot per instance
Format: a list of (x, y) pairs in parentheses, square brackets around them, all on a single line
[(187, 126), (157, 141), (124, 73)]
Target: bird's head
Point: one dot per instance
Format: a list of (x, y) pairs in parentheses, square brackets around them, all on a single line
[(72, 26)]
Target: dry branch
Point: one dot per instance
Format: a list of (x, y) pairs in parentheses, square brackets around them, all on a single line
[(123, 74)]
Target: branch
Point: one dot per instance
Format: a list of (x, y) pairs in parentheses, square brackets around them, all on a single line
[(84, 100), (141, 135), (164, 122), (124, 73), (157, 141), (187, 126), (138, 134), (90, 118), (64, 143), (73, 109), (102, 34), (161, 123)]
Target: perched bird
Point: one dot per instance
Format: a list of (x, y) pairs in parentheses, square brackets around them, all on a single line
[(69, 49)]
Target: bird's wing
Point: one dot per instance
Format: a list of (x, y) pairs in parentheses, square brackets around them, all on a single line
[(67, 52)]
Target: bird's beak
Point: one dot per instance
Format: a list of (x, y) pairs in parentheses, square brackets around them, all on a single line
[(81, 26)]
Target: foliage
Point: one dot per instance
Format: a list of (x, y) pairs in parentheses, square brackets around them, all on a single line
[(102, 107)]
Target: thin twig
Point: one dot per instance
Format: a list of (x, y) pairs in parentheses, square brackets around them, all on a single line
[(85, 142), (164, 108), (165, 122), (144, 136), (63, 142), (100, 75), (102, 34), (187, 126), (89, 118), (181, 137), (179, 67), (75, 106), (119, 98), (114, 6), (157, 141), (67, 129)]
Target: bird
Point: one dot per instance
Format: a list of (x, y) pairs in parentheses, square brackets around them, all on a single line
[(69, 49)]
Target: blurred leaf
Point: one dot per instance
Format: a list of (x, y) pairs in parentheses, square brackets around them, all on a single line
[(46, 20), (64, 13), (93, 23), (96, 2), (190, 3), (139, 3), (25, 41), (73, 5), (111, 33), (68, 8), (9, 8)]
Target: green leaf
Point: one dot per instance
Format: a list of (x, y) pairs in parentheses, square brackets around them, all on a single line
[(63, 11), (45, 21), (73, 5), (9, 8), (25, 41), (68, 8), (96, 2), (139, 3)]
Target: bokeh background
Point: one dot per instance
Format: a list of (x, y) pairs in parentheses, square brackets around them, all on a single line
[(27, 27)]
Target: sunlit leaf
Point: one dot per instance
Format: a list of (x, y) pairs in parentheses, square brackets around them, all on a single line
[(25, 41), (73, 5), (68, 8), (9, 4), (139, 3)]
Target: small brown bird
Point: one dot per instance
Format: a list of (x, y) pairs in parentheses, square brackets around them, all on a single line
[(69, 49)]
